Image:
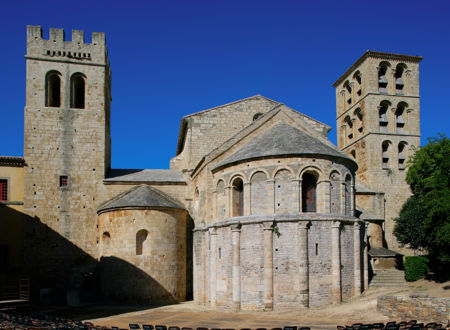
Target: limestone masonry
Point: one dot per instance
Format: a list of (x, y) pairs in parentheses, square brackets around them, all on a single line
[(258, 211)]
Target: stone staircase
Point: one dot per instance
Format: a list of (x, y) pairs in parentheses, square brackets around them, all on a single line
[(388, 278)]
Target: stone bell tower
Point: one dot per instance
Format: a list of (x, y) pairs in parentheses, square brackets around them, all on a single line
[(67, 141), (378, 124)]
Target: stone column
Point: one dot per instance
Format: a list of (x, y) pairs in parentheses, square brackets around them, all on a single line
[(247, 187), (343, 196), (268, 265), (300, 196), (336, 262), (303, 265), (366, 257), (229, 206), (236, 274), (212, 266), (352, 199), (357, 258)]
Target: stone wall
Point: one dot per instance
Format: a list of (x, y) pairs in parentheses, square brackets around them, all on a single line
[(282, 264), (418, 308), (143, 255)]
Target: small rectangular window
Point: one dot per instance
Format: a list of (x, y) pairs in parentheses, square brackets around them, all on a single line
[(3, 190), (63, 181)]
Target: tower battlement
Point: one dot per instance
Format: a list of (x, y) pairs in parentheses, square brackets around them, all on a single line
[(57, 48)]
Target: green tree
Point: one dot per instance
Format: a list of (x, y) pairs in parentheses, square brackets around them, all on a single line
[(424, 220)]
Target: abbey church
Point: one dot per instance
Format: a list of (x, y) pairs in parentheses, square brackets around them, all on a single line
[(258, 211)]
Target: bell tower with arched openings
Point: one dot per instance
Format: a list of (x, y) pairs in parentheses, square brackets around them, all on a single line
[(378, 124), (66, 138)]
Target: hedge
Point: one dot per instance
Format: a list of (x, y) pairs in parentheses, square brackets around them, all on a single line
[(415, 268)]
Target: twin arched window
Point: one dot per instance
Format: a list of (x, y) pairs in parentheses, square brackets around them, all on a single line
[(53, 90), (382, 115), (382, 79)]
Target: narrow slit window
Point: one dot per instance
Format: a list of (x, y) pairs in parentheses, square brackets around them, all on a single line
[(3, 190), (63, 181)]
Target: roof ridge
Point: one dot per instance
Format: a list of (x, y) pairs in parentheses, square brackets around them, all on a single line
[(227, 104)]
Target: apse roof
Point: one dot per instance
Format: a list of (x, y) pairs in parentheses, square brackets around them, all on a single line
[(282, 140), (142, 196)]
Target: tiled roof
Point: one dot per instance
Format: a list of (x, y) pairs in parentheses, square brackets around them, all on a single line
[(140, 197), (282, 140), (142, 176)]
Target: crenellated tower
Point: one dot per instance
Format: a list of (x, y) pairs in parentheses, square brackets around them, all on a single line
[(67, 139), (378, 124)]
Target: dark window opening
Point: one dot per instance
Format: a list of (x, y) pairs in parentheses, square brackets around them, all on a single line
[(63, 181), (382, 116), (3, 190), (385, 155), (257, 116), (53, 90), (399, 121), (399, 84), (317, 249), (382, 80), (309, 184), (78, 92), (401, 156), (238, 198)]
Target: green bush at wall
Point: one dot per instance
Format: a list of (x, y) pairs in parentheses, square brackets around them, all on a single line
[(415, 268)]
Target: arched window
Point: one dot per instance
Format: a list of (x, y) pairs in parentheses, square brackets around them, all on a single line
[(141, 242), (399, 84), (385, 154), (335, 193), (348, 87), (348, 195), (358, 113), (77, 91), (357, 78), (257, 116), (309, 185), (401, 155), (382, 115), (238, 197), (399, 120), (382, 80), (349, 123), (53, 89)]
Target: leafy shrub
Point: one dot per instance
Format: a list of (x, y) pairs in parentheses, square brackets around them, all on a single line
[(415, 268)]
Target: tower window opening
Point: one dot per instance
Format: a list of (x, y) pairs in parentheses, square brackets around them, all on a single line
[(382, 80), (77, 91), (382, 116), (309, 185), (238, 197), (385, 155), (53, 90), (399, 121), (401, 155), (348, 87), (399, 84), (357, 77)]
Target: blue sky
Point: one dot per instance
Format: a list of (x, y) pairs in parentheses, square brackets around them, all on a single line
[(173, 58)]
